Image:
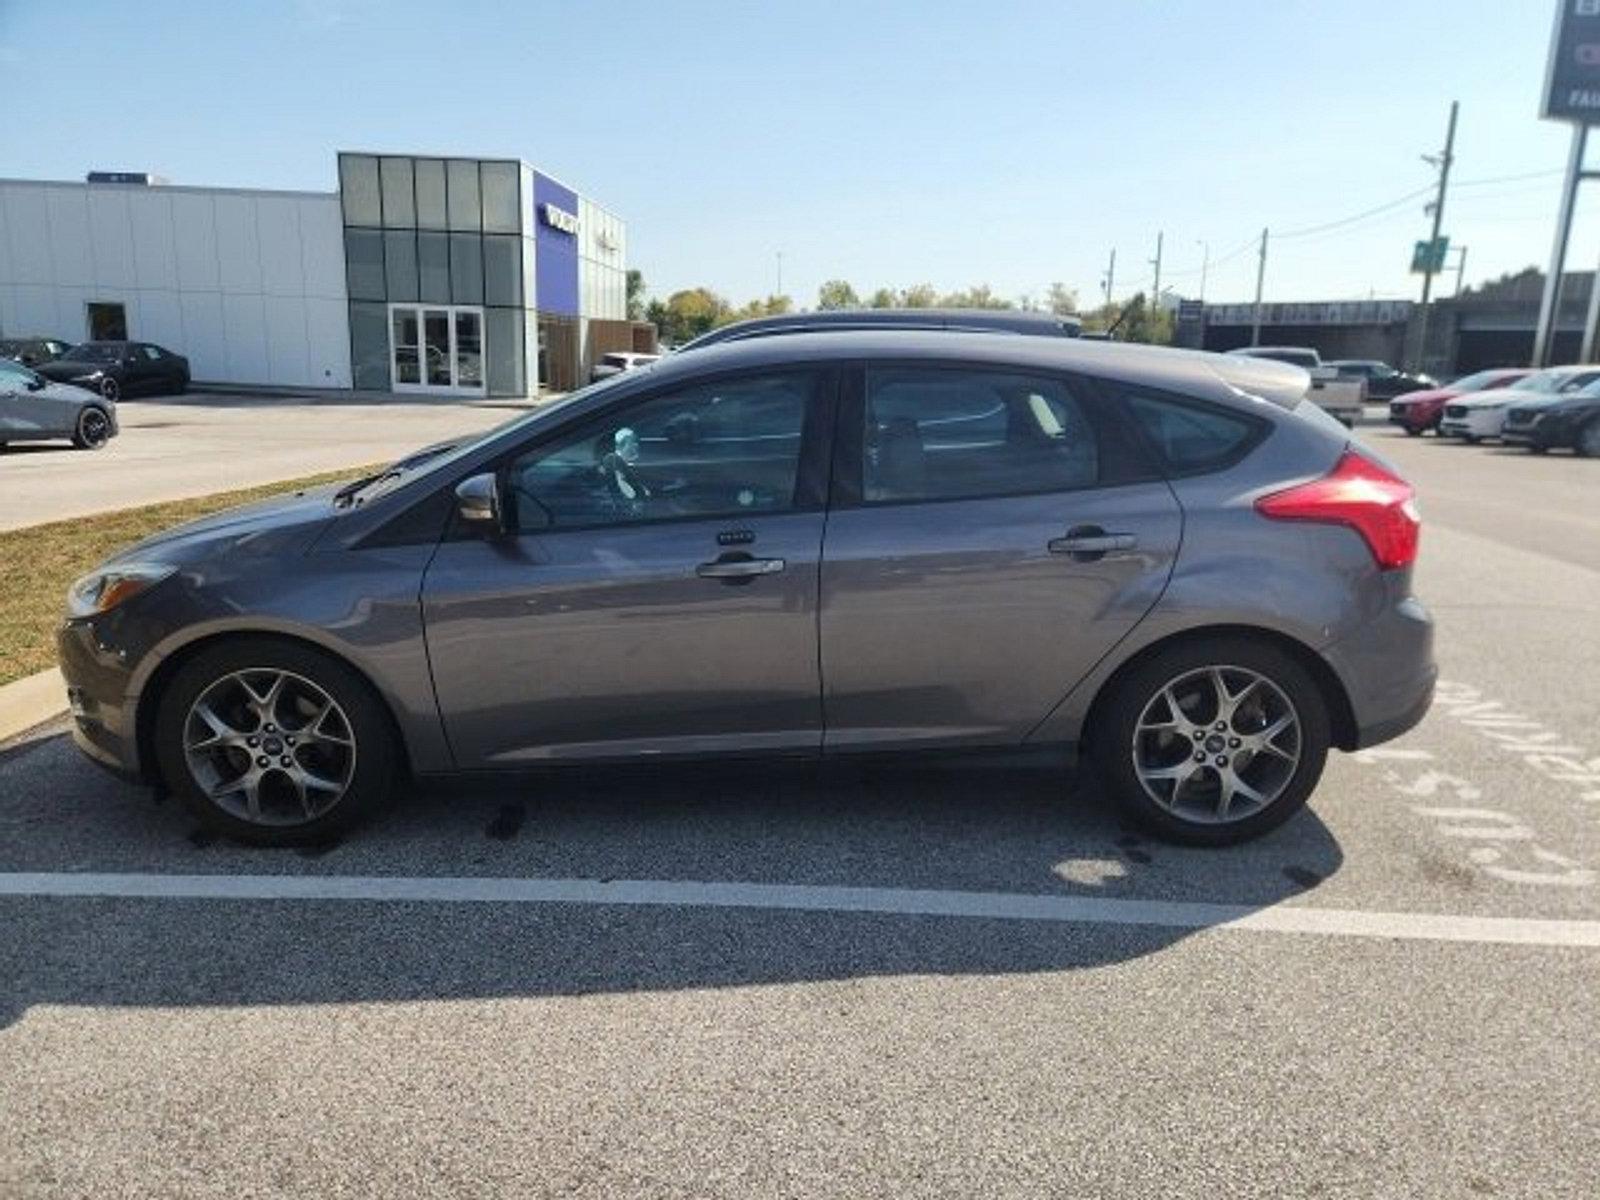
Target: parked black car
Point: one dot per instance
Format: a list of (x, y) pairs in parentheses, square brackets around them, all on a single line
[(1568, 420), (116, 369), (31, 351), (1384, 383)]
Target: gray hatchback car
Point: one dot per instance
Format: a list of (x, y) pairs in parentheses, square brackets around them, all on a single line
[(821, 544)]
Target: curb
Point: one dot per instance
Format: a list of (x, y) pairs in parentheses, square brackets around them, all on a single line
[(31, 701)]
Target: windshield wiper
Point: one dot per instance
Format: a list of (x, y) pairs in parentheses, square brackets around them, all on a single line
[(348, 492)]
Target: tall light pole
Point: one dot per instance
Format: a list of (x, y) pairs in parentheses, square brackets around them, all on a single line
[(1110, 280), (1261, 280), (780, 273), (1443, 162), (1155, 290), (1205, 264)]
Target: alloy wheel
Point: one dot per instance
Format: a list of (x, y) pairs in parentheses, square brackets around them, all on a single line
[(109, 388), (94, 430), (1217, 744), (269, 747), (1589, 440)]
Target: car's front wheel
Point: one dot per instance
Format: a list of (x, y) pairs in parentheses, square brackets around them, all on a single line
[(93, 429), (273, 742), (110, 389), (1213, 741)]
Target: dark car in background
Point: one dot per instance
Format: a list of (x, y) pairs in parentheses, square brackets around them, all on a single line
[(116, 369), (1569, 420), (1383, 382), (950, 320), (32, 409), (1175, 564), (1419, 411), (31, 351)]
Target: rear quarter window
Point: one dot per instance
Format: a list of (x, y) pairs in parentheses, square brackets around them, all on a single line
[(1189, 437)]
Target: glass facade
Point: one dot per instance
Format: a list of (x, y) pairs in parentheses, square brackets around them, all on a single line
[(430, 231)]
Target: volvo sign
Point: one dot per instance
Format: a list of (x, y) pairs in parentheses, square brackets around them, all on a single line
[(1572, 79)]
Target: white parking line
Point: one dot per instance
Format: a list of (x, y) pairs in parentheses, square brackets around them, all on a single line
[(1002, 906)]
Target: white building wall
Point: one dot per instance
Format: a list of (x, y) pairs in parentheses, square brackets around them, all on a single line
[(249, 285)]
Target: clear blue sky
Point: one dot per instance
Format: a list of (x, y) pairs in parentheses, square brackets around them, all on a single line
[(886, 143)]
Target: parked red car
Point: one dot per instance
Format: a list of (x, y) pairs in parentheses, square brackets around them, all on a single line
[(1418, 412)]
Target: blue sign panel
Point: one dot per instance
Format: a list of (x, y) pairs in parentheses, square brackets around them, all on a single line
[(555, 220), (1572, 86)]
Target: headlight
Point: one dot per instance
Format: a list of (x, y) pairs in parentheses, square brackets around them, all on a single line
[(102, 590)]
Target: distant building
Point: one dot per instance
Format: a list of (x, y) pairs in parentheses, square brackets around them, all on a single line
[(458, 276), (1488, 326)]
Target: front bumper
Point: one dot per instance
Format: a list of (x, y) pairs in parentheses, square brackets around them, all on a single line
[(1474, 424), (103, 713)]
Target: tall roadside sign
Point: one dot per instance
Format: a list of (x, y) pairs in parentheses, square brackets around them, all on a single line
[(1571, 94)]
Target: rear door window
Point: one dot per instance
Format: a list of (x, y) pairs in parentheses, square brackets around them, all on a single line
[(935, 434)]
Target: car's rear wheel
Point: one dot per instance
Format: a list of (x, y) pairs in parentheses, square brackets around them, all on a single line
[(1213, 742), (273, 742), (93, 429), (1588, 440), (110, 389), (1412, 431)]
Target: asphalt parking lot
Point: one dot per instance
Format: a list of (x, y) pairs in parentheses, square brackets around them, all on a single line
[(178, 446), (860, 981)]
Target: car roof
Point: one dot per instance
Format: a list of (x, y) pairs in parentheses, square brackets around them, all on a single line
[(1247, 351), (1190, 372), (1012, 319)]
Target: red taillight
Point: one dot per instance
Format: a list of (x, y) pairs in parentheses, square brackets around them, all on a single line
[(1361, 494)]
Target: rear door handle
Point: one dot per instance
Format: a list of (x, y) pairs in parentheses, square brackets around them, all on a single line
[(1088, 543), (739, 568)]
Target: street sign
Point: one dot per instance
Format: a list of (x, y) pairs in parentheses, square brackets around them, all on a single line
[(1427, 257), (1572, 79)]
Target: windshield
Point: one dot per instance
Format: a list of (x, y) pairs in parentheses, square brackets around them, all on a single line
[(427, 460), (1481, 381), (1546, 382), (94, 352)]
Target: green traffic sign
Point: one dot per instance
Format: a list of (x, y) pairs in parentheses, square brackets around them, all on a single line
[(1427, 257)]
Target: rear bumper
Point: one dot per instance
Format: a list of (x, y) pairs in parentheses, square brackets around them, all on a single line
[(1388, 671)]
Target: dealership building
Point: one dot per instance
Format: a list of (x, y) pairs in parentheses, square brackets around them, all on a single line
[(455, 276)]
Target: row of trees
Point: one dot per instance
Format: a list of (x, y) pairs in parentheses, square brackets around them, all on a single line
[(688, 313)]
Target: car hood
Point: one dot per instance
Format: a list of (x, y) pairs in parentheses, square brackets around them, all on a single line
[(276, 525), (60, 369), (1427, 395), (1539, 402), (1496, 398), (66, 393)]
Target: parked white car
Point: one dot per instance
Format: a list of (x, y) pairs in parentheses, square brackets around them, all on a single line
[(1483, 415), (1338, 396)]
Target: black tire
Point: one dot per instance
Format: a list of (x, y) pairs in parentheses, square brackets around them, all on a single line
[(1412, 432), (93, 429), (1471, 439), (375, 752), (1538, 449), (110, 389), (1113, 737)]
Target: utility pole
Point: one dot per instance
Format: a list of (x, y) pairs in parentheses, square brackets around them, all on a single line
[(1545, 334), (1261, 280), (780, 273), (1461, 268), (1443, 163), (1111, 276), (1205, 262), (1155, 292)]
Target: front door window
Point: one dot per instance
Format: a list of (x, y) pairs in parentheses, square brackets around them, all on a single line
[(436, 348)]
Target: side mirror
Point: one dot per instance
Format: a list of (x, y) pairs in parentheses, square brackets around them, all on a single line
[(478, 502)]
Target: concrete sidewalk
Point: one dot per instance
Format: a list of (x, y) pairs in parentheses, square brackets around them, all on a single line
[(174, 448)]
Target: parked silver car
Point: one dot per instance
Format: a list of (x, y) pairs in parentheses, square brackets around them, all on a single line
[(813, 544), (32, 409)]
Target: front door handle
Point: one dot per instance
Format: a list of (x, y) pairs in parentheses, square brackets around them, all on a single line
[(739, 569), (1090, 543)]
